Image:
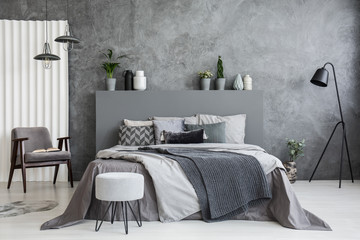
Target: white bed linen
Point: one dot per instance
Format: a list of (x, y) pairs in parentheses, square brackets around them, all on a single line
[(176, 197)]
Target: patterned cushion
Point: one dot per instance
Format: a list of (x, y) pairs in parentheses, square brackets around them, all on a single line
[(136, 136)]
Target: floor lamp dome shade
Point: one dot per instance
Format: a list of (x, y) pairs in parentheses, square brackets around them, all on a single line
[(320, 77)]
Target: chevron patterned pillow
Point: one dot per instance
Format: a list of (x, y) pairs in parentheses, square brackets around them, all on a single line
[(136, 136)]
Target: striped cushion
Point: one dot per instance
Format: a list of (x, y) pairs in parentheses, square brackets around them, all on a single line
[(136, 136)]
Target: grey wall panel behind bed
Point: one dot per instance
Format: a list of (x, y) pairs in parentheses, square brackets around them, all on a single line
[(113, 106)]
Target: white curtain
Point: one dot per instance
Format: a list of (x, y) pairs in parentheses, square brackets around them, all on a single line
[(30, 95)]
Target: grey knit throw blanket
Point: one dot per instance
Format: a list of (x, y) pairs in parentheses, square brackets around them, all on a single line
[(226, 183)]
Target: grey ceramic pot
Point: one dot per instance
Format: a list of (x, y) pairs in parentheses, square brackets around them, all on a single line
[(205, 83), (220, 84), (291, 171), (110, 84)]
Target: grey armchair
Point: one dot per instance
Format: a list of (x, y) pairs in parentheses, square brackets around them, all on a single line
[(25, 140)]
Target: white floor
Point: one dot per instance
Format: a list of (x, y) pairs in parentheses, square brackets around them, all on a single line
[(339, 207)]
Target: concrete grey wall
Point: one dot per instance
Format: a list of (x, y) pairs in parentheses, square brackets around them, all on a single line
[(280, 43)]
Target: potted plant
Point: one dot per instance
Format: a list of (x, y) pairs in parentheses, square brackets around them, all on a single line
[(296, 150), (220, 81), (205, 78), (109, 66)]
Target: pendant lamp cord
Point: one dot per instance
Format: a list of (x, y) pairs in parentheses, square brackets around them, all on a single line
[(46, 21), (67, 10)]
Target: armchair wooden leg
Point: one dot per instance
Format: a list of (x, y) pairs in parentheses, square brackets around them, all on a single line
[(56, 173), (12, 168), (13, 162), (70, 172), (23, 170)]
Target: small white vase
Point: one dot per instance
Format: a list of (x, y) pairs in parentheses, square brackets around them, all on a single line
[(247, 82), (139, 81), (238, 83)]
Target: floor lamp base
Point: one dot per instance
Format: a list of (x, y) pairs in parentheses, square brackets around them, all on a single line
[(343, 142)]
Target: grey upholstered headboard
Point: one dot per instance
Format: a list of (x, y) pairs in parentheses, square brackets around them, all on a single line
[(113, 106)]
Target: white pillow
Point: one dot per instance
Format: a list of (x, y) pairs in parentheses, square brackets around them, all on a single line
[(131, 123), (188, 120), (234, 126)]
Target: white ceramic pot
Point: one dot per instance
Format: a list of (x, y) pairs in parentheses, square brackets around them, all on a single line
[(139, 81), (220, 84), (205, 83), (110, 84), (247, 82)]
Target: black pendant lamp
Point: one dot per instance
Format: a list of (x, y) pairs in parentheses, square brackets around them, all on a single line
[(46, 57), (68, 40)]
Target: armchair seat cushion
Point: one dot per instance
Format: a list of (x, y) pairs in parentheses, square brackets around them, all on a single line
[(47, 156)]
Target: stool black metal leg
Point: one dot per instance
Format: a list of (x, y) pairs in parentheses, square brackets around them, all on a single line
[(113, 212), (139, 223), (138, 202), (97, 228), (124, 210)]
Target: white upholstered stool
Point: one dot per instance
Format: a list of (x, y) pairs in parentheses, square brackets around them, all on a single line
[(119, 187)]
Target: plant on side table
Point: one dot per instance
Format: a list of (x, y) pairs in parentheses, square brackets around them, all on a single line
[(220, 81), (109, 66), (296, 150), (205, 78)]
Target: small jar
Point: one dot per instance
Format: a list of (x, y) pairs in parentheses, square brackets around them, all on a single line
[(247, 82)]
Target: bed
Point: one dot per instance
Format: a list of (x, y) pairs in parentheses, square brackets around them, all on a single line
[(170, 193)]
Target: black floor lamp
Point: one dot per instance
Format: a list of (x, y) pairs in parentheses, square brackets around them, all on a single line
[(320, 79)]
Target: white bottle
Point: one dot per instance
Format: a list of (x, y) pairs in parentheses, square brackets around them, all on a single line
[(139, 81), (247, 82)]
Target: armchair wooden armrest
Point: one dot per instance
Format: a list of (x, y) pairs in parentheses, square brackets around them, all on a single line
[(66, 140), (19, 139), (63, 138), (18, 145)]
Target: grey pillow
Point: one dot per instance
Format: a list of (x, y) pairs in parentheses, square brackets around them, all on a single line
[(136, 136), (195, 136), (176, 125), (235, 126), (215, 132)]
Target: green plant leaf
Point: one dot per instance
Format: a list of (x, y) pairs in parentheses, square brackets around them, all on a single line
[(110, 53)]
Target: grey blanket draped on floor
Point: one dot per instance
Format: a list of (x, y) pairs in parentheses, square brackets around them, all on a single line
[(226, 183)]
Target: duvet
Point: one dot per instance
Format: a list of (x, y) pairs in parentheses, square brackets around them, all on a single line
[(170, 196)]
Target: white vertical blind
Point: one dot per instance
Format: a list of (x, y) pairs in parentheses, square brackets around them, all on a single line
[(30, 95)]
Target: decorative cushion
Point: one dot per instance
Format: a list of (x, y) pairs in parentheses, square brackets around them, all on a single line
[(235, 126), (176, 125), (215, 132), (195, 136), (132, 123), (136, 136)]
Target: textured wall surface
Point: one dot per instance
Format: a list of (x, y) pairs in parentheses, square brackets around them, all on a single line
[(280, 43)]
